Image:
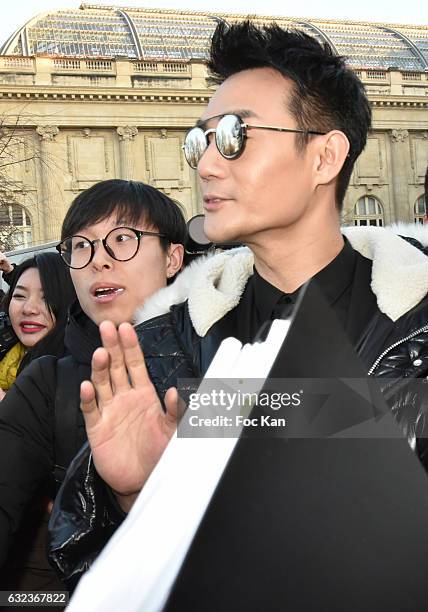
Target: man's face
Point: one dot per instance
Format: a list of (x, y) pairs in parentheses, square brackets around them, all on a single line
[(270, 186), (113, 290)]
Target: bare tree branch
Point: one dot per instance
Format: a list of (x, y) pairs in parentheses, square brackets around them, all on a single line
[(16, 150)]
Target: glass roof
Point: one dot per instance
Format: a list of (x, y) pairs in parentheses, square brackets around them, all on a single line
[(183, 39), (151, 34), (77, 33)]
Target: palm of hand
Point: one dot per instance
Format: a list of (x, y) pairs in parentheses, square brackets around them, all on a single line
[(129, 439), (126, 426)]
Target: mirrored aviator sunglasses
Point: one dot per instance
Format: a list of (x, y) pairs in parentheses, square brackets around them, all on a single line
[(230, 135), (229, 139)]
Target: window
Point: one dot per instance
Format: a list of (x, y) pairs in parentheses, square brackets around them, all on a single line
[(368, 211), (15, 226), (419, 209)]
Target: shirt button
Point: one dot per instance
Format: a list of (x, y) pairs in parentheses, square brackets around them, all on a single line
[(417, 362)]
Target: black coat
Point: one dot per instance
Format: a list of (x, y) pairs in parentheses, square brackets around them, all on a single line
[(85, 506), (27, 424), (86, 513)]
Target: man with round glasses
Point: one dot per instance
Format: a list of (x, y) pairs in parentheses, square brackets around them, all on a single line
[(123, 241), (274, 152)]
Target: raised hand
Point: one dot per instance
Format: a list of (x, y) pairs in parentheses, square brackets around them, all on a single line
[(126, 426), (5, 265)]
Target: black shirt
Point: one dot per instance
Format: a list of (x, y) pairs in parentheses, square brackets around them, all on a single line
[(345, 283)]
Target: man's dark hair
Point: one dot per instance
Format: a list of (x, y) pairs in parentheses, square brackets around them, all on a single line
[(327, 94), (133, 203)]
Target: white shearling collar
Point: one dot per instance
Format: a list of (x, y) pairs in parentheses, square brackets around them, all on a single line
[(213, 285), (399, 272), (418, 231)]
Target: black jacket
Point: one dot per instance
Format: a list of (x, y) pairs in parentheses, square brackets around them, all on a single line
[(86, 514), (8, 338), (27, 427)]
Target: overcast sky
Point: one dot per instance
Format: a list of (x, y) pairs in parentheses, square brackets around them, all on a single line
[(15, 13)]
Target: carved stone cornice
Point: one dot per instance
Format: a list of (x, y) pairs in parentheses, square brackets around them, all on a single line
[(196, 97), (399, 135), (47, 132), (127, 132)]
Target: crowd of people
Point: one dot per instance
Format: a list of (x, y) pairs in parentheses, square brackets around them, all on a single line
[(99, 336)]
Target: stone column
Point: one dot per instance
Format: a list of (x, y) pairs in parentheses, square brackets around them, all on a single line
[(51, 188), (127, 136), (400, 154)]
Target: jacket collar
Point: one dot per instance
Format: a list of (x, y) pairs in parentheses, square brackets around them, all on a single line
[(399, 271), (213, 284), (417, 231), (82, 336)]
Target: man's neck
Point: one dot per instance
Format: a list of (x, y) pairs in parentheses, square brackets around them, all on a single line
[(289, 258)]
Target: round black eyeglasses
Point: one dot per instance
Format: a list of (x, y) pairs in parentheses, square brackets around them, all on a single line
[(230, 135), (121, 243)]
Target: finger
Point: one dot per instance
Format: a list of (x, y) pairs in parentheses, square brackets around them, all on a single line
[(110, 339), (174, 408), (100, 376), (133, 354), (88, 404)]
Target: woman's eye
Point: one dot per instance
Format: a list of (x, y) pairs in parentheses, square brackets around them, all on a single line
[(18, 296)]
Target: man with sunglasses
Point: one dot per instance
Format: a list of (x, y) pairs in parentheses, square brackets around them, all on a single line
[(274, 152)]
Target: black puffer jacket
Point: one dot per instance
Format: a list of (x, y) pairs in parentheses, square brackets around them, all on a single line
[(86, 513), (27, 427)]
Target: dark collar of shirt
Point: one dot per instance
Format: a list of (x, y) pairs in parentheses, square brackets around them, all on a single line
[(263, 302)]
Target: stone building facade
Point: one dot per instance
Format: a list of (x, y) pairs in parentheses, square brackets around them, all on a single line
[(98, 92)]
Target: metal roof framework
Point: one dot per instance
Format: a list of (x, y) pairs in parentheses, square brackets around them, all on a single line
[(167, 35)]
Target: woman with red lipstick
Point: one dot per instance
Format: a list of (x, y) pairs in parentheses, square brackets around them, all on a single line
[(37, 303)]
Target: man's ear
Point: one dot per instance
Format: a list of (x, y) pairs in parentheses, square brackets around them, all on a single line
[(333, 150), (174, 259)]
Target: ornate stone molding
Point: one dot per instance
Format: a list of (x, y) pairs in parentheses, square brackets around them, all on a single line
[(47, 132), (175, 98), (127, 132), (399, 135), (399, 103)]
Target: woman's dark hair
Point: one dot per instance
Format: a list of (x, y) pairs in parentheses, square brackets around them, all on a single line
[(326, 95), (59, 293), (133, 203)]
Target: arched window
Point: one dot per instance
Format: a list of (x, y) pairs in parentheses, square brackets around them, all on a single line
[(368, 211), (15, 227), (420, 209)]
